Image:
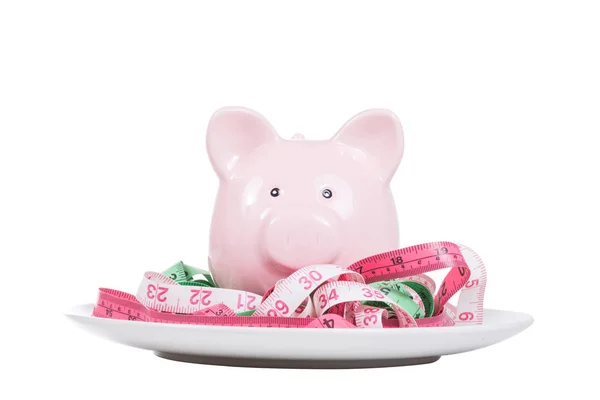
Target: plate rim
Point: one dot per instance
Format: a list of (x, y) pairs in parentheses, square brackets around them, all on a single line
[(526, 320), (271, 348)]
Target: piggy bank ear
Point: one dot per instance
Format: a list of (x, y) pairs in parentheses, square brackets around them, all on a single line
[(234, 132), (377, 133)]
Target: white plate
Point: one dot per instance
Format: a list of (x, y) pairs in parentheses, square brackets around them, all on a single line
[(302, 347)]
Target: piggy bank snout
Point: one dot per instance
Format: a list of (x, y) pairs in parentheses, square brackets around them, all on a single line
[(296, 239)]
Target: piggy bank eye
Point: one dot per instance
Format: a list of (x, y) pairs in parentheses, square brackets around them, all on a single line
[(275, 192), (327, 193)]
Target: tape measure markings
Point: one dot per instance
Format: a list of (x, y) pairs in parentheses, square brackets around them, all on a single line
[(161, 293), (403, 263), (339, 292), (469, 308), (114, 304), (289, 293), (422, 279), (425, 298), (324, 295), (370, 317)]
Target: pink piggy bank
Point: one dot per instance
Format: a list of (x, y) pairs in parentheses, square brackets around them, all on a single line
[(285, 204)]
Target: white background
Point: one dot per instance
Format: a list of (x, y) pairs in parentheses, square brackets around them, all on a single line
[(104, 173)]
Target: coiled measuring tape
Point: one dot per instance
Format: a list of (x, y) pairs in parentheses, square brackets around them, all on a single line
[(387, 290)]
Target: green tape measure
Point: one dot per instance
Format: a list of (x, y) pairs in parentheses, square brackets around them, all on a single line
[(395, 289), (189, 276), (425, 295)]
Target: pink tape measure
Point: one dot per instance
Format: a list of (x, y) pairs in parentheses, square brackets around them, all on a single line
[(387, 290)]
